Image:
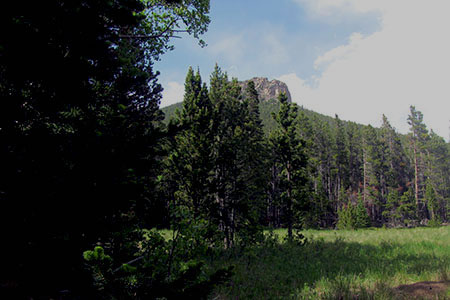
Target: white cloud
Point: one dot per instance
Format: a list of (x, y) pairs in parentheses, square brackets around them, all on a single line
[(332, 7), (300, 91), (173, 93), (407, 62), (273, 52), (252, 51), (339, 52), (232, 47)]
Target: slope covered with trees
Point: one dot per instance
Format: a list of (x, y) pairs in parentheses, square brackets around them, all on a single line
[(374, 175)]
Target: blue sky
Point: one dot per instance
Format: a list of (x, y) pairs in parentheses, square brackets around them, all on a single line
[(356, 58), (270, 38)]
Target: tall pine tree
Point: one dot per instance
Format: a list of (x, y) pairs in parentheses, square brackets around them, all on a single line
[(191, 163), (418, 137), (290, 155)]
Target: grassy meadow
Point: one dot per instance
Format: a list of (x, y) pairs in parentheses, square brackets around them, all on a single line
[(361, 264)]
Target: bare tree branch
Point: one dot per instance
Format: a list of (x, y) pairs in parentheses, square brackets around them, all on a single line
[(128, 263)]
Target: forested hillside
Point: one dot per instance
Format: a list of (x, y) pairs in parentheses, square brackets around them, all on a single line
[(389, 178), (266, 108)]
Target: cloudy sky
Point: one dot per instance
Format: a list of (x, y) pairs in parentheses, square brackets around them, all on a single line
[(355, 58)]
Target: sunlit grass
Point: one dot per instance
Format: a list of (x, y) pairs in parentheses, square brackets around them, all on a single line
[(339, 264)]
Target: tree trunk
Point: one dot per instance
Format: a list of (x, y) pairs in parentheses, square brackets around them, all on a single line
[(364, 177), (416, 180), (289, 202)]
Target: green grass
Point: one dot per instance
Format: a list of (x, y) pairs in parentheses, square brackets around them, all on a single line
[(362, 264)]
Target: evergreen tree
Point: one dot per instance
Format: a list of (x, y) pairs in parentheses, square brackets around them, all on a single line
[(362, 217), (399, 210), (353, 216), (418, 137), (238, 152), (437, 186), (80, 129), (190, 163), (290, 154), (430, 196), (355, 155), (399, 172), (326, 162), (318, 199), (391, 212), (375, 168), (226, 129), (342, 156), (408, 209), (254, 157)]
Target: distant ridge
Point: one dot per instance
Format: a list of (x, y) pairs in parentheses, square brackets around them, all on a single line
[(268, 92), (266, 109)]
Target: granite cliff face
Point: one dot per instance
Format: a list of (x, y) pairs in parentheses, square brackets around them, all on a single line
[(267, 89)]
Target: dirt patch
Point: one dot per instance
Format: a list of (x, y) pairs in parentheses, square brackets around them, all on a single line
[(424, 290)]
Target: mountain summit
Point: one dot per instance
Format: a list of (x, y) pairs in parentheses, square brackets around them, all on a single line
[(266, 89)]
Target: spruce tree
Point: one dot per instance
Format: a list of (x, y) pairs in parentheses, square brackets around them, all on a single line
[(190, 163), (342, 157), (318, 199), (407, 208), (398, 172), (355, 155), (353, 216), (238, 156), (432, 202), (362, 217), (253, 155), (438, 176), (290, 154), (375, 170), (418, 137), (326, 169), (391, 212)]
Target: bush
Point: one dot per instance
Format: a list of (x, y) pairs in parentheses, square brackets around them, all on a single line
[(434, 222), (157, 267), (353, 216)]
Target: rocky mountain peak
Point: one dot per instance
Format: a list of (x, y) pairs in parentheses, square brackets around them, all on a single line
[(268, 89)]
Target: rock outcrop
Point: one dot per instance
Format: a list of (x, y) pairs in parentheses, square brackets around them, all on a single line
[(267, 89)]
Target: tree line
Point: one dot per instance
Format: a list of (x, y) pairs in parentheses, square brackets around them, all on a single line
[(313, 172)]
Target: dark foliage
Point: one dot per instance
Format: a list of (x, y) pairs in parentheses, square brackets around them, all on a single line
[(79, 132)]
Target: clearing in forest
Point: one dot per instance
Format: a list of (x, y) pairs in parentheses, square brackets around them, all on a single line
[(361, 264)]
